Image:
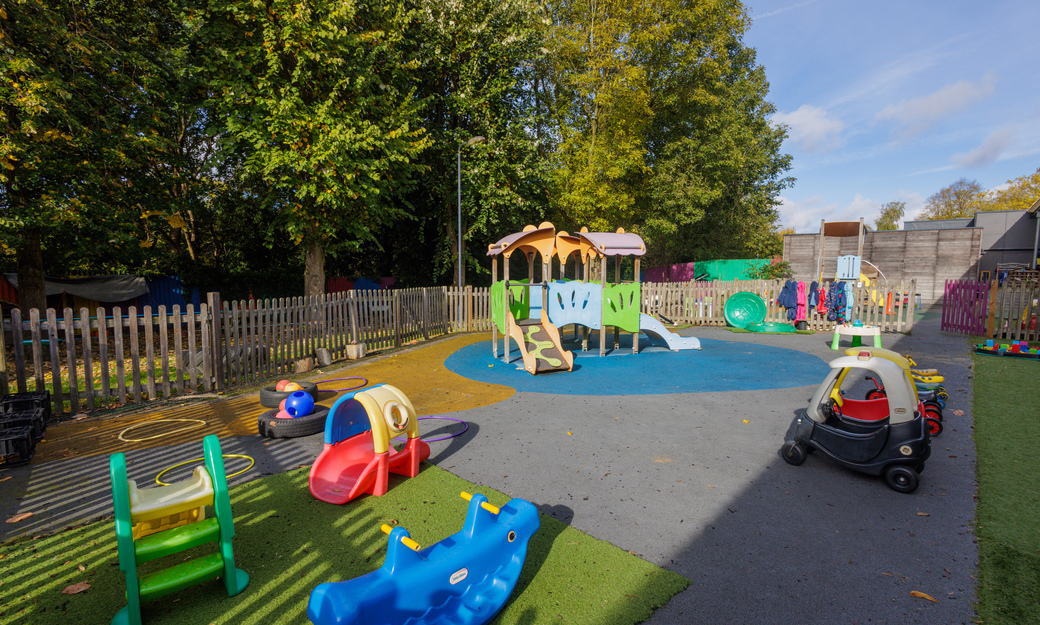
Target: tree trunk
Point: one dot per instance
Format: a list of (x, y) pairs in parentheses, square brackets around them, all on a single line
[(32, 292), (314, 269)]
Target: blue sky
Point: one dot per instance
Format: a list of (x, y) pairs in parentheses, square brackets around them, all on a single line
[(894, 100)]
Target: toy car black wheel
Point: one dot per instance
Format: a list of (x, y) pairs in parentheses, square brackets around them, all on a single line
[(270, 398), (272, 427), (902, 478), (935, 426), (793, 453)]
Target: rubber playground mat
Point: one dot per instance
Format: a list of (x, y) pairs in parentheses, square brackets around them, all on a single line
[(419, 373)]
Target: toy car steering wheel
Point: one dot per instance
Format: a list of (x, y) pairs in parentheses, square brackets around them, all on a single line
[(833, 408)]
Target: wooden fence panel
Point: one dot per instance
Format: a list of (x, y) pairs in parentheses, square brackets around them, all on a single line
[(226, 343)]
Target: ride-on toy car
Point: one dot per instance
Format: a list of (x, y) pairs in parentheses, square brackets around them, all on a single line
[(885, 436)]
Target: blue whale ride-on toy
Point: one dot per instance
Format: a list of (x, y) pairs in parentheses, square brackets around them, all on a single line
[(464, 579), (884, 436)]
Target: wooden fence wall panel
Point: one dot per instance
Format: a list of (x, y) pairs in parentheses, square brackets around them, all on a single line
[(135, 354), (149, 352), (164, 349), (193, 350), (87, 330), (261, 339), (70, 358), (17, 339)]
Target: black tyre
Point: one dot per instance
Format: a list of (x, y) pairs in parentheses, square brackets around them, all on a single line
[(793, 453), (933, 409), (902, 478), (935, 426), (270, 398), (272, 427)]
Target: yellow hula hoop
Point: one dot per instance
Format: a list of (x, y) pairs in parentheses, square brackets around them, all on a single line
[(200, 423), (181, 464)]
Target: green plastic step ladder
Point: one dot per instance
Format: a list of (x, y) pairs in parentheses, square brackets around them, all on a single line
[(219, 529)]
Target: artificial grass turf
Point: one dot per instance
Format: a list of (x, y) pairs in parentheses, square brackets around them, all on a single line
[(1007, 396), (289, 542)]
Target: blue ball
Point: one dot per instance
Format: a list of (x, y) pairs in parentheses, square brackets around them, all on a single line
[(299, 404)]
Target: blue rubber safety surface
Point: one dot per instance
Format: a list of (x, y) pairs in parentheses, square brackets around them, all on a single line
[(719, 366)]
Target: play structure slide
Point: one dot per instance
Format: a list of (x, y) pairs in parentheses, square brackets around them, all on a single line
[(540, 344), (657, 332), (464, 579), (358, 456)]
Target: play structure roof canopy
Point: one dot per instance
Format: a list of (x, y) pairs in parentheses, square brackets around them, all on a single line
[(545, 240)]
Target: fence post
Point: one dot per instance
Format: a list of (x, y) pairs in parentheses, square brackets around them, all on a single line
[(991, 310), (469, 308), (3, 355), (216, 338), (397, 318)]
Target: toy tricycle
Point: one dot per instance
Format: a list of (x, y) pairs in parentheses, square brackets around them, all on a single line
[(885, 436)]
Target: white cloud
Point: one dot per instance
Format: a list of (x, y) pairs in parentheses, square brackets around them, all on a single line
[(805, 216), (915, 204), (988, 151), (811, 128), (785, 9), (916, 115)]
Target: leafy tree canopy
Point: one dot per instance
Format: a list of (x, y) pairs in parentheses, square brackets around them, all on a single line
[(891, 213)]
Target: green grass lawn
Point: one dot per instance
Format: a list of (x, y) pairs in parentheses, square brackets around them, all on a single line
[(289, 542), (1007, 438)]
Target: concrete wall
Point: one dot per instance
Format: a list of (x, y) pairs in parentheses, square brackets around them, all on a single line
[(929, 256)]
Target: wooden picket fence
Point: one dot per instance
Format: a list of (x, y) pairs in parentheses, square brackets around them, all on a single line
[(890, 306), (89, 360), (114, 356), (1006, 311)]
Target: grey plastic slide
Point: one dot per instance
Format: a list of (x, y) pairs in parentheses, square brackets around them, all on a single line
[(656, 330)]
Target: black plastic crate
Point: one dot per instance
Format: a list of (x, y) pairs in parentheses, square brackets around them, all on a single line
[(18, 402), (32, 418), (17, 444)]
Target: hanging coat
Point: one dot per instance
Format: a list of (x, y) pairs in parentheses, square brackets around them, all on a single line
[(814, 296), (788, 298), (802, 310)]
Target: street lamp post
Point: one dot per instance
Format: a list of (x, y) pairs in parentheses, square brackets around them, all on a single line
[(472, 141)]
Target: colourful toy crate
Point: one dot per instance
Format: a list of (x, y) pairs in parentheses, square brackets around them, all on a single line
[(17, 444), (32, 418), (18, 402)]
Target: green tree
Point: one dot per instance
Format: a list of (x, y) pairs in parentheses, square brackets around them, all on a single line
[(960, 199), (662, 126), (318, 97), (81, 81), (1017, 194), (477, 67), (891, 213)]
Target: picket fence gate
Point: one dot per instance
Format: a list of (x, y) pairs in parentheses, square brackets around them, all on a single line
[(1005, 311)]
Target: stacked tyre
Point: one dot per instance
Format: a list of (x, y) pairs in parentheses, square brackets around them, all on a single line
[(271, 425)]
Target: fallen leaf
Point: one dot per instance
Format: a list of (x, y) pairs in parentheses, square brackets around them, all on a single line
[(923, 514), (4, 479), (921, 595), (746, 421), (570, 433), (710, 486), (82, 568), (19, 517), (958, 413), (75, 589)]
